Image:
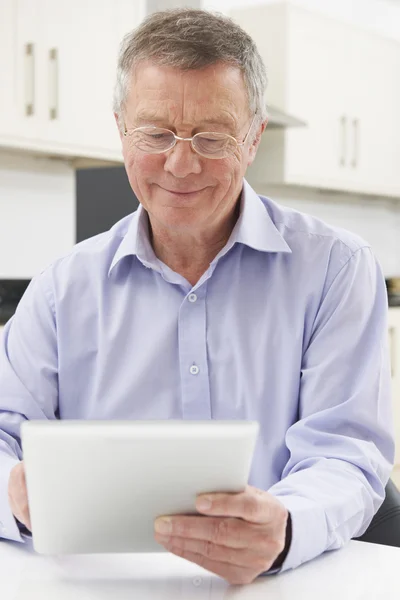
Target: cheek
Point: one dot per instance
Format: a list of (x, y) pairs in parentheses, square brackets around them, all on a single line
[(142, 168), (230, 169)]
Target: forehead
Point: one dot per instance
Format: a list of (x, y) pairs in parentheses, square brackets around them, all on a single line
[(216, 91)]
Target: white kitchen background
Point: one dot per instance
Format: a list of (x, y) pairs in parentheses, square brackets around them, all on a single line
[(334, 64)]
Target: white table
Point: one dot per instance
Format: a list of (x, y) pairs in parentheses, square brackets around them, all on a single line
[(359, 571)]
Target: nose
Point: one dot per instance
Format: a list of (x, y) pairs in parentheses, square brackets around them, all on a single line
[(182, 160)]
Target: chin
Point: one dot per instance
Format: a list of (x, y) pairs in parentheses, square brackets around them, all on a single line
[(178, 218)]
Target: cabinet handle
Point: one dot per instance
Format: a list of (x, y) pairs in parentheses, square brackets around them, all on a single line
[(343, 136), (356, 140), (392, 345), (29, 80), (53, 84)]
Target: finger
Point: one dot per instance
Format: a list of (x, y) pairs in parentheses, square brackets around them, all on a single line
[(234, 574), (240, 558), (230, 532), (251, 505), (18, 497), (20, 510), (26, 518), (22, 514)]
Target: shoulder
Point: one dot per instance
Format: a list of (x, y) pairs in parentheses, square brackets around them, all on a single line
[(303, 231), (319, 251), (87, 263)]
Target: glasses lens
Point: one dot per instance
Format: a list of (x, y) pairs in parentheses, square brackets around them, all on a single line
[(214, 145), (152, 139)]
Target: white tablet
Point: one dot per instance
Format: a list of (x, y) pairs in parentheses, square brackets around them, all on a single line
[(98, 486)]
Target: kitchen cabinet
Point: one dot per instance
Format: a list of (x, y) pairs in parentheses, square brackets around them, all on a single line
[(59, 68), (394, 345), (8, 116), (342, 81), (373, 117)]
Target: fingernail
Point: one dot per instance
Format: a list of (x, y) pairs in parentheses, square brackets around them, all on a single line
[(204, 503), (163, 525)]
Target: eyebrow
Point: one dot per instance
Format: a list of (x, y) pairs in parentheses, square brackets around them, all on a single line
[(212, 121)]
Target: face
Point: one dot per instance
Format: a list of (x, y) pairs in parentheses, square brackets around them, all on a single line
[(181, 190)]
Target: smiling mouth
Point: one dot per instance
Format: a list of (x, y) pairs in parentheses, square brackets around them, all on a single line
[(182, 192)]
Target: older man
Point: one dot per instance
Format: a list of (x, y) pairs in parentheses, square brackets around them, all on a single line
[(211, 302)]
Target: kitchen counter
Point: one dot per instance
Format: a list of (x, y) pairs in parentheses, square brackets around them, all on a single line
[(359, 570)]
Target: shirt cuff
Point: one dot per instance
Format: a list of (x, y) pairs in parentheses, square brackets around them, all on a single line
[(277, 565), (309, 531), (8, 525)]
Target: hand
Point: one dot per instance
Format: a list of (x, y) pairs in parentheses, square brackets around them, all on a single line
[(18, 495), (240, 538)]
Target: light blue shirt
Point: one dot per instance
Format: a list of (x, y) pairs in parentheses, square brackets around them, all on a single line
[(286, 327)]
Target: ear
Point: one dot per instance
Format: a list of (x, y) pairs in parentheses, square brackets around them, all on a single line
[(256, 142), (121, 135)]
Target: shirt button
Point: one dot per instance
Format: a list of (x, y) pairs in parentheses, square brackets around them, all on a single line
[(192, 297), (194, 369)]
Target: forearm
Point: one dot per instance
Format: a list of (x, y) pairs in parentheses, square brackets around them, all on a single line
[(330, 502)]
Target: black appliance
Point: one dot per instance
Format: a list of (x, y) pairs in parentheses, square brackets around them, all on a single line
[(103, 197), (11, 292)]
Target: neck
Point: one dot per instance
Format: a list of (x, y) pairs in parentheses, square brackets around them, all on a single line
[(190, 253)]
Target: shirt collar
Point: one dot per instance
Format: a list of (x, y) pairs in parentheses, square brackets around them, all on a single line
[(254, 228), (136, 242)]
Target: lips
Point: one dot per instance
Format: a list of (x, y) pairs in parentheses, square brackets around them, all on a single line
[(182, 192)]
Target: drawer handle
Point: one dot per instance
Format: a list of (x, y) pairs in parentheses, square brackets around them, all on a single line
[(29, 80), (356, 143), (343, 138), (53, 84)]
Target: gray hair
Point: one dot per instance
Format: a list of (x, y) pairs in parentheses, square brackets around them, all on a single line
[(189, 39)]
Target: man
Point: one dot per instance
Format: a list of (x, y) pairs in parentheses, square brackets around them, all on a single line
[(211, 302)]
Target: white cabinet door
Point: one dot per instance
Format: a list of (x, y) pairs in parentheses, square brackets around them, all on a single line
[(374, 116), (7, 67), (80, 42), (316, 154), (60, 86), (20, 77)]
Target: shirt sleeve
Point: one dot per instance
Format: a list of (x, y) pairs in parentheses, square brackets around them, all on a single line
[(28, 384), (341, 448)]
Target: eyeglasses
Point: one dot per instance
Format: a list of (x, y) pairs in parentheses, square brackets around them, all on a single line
[(210, 144)]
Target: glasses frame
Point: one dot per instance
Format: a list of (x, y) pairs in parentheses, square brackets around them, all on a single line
[(129, 132)]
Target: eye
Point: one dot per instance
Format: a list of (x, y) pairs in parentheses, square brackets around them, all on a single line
[(212, 141), (158, 136)]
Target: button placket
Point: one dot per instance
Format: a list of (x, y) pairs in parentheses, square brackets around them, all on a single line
[(193, 356)]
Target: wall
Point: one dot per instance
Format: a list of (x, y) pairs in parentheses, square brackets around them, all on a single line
[(155, 5), (37, 213), (378, 15)]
